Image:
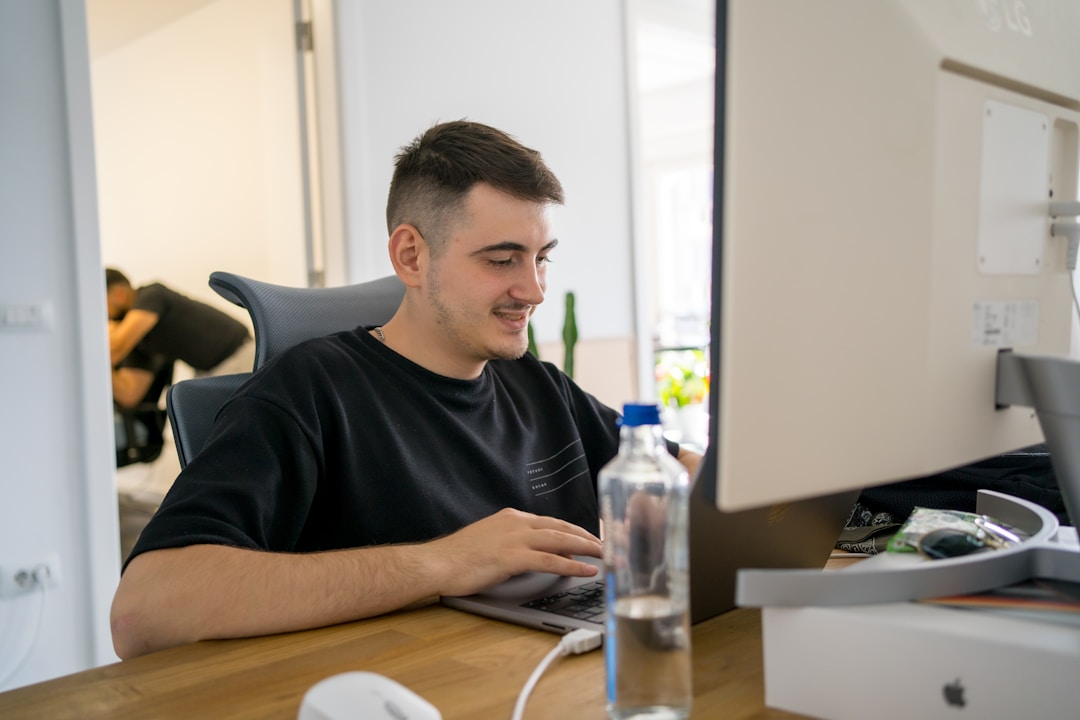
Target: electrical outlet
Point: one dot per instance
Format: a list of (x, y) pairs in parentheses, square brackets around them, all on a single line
[(19, 579)]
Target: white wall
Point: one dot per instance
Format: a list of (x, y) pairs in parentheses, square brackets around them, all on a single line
[(196, 125), (56, 488), (198, 134), (551, 73)]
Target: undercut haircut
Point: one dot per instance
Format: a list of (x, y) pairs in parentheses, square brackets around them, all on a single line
[(435, 172)]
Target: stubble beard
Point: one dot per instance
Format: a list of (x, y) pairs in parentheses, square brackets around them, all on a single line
[(453, 325)]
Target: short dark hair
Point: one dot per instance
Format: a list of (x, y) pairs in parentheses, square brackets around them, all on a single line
[(115, 277), (434, 173)]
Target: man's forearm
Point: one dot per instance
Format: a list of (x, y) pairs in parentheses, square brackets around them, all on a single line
[(129, 386), (171, 597), (690, 460), (126, 334), (180, 595)]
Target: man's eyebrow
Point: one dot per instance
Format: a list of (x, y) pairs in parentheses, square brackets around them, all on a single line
[(511, 246)]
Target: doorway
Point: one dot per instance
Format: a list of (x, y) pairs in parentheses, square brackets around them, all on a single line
[(201, 152)]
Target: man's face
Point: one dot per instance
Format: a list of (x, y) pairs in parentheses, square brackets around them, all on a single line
[(490, 276), (118, 301)]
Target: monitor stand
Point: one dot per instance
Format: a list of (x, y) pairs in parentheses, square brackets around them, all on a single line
[(1052, 387)]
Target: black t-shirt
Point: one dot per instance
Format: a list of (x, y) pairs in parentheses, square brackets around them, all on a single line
[(187, 329), (341, 442)]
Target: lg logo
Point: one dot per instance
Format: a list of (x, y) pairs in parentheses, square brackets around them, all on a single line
[(1011, 14)]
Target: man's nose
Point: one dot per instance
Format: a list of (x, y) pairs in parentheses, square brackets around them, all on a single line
[(530, 285)]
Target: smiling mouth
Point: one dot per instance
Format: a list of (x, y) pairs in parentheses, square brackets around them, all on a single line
[(514, 316)]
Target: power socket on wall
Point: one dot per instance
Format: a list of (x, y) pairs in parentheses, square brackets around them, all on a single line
[(22, 578)]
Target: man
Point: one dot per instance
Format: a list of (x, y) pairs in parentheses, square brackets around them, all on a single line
[(139, 422), (155, 325), (364, 472)]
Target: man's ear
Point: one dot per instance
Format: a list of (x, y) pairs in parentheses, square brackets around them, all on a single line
[(409, 253)]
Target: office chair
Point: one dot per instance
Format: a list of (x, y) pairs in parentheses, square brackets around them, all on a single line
[(282, 317), (139, 437), (192, 406)]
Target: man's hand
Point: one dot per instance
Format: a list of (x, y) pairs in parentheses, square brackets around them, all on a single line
[(507, 543)]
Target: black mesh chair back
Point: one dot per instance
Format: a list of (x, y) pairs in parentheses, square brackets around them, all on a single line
[(192, 406), (282, 317)]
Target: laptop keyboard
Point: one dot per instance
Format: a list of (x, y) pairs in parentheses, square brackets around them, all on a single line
[(584, 602)]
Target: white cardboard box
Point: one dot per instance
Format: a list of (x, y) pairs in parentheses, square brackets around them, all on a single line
[(915, 661)]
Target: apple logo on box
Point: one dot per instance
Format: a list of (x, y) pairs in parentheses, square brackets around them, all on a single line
[(954, 694)]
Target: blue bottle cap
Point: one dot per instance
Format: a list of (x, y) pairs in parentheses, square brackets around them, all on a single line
[(636, 414)]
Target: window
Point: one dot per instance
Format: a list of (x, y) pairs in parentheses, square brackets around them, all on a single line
[(673, 65)]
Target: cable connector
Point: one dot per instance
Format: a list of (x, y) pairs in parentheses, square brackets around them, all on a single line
[(16, 580), (1064, 208), (1066, 228), (42, 575), (580, 641), (575, 642)]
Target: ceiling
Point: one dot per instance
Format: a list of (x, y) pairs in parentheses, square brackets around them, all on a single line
[(113, 23)]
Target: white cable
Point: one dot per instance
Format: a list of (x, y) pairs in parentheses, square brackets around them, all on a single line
[(40, 575), (574, 643), (523, 696)]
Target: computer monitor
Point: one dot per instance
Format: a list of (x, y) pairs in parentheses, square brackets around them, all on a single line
[(883, 177)]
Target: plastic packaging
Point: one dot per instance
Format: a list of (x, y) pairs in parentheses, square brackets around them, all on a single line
[(644, 501)]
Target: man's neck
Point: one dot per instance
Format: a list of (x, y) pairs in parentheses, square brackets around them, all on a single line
[(414, 344)]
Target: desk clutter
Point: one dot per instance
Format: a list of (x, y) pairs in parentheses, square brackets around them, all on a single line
[(880, 511)]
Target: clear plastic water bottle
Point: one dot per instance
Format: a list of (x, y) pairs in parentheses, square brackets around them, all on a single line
[(644, 503)]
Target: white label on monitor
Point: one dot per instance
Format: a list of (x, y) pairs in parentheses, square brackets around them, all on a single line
[(1014, 188), (1005, 323)]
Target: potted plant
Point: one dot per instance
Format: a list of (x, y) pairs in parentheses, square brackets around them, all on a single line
[(569, 334), (682, 383)]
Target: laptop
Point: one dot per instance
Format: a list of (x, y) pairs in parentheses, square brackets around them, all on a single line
[(799, 534)]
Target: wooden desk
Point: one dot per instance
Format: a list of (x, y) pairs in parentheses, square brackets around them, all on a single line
[(467, 666)]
